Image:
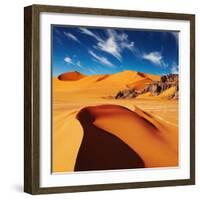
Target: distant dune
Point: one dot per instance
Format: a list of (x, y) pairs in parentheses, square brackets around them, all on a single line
[(71, 76), (141, 84), (128, 77), (99, 86)]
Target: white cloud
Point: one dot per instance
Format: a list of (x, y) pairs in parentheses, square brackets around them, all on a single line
[(76, 63), (101, 59), (154, 57), (128, 45), (174, 68), (114, 44), (68, 60), (110, 46), (71, 36), (90, 33), (121, 39)]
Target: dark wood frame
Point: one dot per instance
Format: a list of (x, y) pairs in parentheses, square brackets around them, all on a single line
[(32, 105)]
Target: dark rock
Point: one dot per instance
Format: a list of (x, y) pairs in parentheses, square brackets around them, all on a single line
[(126, 94), (169, 78), (155, 88)]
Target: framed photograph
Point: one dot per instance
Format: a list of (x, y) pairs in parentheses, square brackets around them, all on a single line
[(109, 99)]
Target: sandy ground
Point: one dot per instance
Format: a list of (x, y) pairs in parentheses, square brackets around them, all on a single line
[(157, 148)]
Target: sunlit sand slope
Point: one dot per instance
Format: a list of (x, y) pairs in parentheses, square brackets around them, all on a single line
[(67, 137), (153, 144)]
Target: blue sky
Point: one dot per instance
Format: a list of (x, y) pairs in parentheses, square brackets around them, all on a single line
[(106, 50)]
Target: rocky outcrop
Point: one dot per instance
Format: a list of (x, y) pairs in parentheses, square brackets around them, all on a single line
[(170, 78), (155, 88), (126, 94)]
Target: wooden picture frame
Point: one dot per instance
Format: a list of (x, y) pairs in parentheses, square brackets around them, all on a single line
[(32, 106)]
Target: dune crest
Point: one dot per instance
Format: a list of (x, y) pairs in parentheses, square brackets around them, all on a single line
[(140, 131), (141, 84), (71, 76), (101, 150)]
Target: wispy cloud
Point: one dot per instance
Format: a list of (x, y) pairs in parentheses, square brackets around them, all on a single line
[(154, 57), (174, 68), (129, 46), (114, 44), (68, 60), (101, 59), (58, 40), (76, 63), (110, 46), (71, 36), (90, 33), (58, 32)]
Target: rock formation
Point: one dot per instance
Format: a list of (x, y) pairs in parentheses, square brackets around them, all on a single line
[(155, 88)]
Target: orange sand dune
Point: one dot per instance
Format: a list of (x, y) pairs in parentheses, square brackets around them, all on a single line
[(102, 150), (71, 76), (67, 138), (141, 84), (128, 77), (104, 125)]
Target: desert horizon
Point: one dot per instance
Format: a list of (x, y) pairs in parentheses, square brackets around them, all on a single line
[(124, 120)]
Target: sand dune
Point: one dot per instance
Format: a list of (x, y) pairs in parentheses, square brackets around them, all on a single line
[(144, 129), (98, 86), (71, 76), (155, 148), (141, 84), (146, 95), (127, 77), (100, 149), (66, 141)]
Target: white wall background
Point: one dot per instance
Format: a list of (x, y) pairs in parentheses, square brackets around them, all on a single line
[(11, 99)]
